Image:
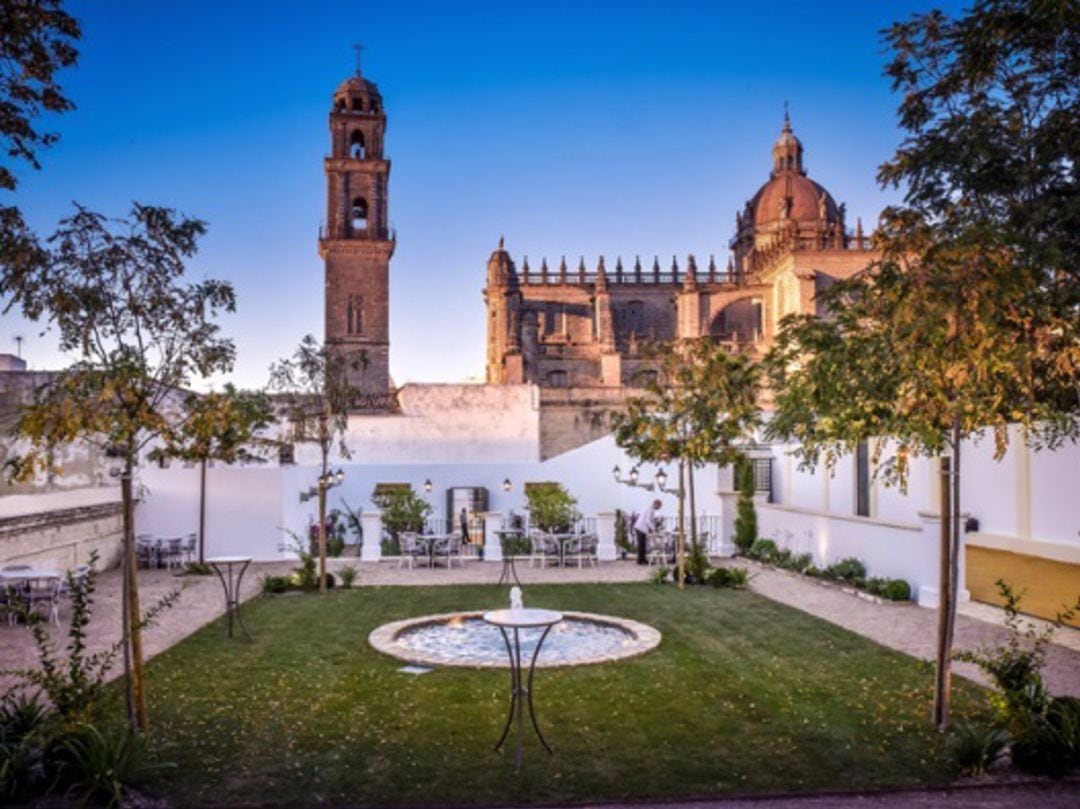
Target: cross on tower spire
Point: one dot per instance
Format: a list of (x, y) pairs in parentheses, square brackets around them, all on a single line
[(358, 48)]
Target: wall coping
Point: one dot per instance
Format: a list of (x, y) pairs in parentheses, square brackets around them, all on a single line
[(25, 523), (1056, 551), (902, 526)]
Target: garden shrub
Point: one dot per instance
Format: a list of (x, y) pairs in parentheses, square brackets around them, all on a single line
[(697, 565), (763, 550), (103, 764), (782, 558), (275, 585), (660, 575), (973, 749), (849, 569), (23, 739), (733, 577), (198, 569), (746, 525), (348, 576), (330, 581), (1045, 730), (622, 532)]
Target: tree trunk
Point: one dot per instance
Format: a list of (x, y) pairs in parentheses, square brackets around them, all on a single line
[(944, 641), (125, 599), (954, 549), (693, 508), (202, 512), (133, 613), (681, 568)]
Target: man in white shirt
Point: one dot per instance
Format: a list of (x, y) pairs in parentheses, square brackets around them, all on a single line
[(645, 525)]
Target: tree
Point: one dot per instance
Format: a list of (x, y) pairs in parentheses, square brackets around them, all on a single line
[(402, 510), (746, 525), (37, 39), (314, 387), (551, 507), (114, 292), (968, 323), (218, 426), (701, 408)]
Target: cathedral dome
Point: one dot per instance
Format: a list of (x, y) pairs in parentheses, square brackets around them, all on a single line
[(790, 194), (793, 196)]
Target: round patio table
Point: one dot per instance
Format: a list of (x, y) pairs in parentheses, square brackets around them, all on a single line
[(508, 567), (231, 587), (562, 540), (520, 694)]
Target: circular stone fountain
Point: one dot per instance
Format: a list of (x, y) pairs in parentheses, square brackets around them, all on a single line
[(465, 639)]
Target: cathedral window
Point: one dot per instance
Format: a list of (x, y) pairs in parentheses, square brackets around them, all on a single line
[(556, 379), (359, 214), (635, 317), (354, 315), (356, 145)]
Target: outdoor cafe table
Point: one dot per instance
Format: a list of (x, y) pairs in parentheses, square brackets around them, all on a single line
[(562, 540), (231, 586), (515, 620), (431, 541)]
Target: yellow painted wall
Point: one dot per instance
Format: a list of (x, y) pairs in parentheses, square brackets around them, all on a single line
[(1049, 585)]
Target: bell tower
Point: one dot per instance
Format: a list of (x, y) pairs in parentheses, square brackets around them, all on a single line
[(356, 243)]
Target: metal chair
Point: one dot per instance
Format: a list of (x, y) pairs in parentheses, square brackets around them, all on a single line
[(587, 545), (658, 547), (412, 547), (542, 547), (146, 550), (190, 546), (172, 552), (449, 548), (43, 594)]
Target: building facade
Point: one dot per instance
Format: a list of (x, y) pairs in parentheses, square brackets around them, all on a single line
[(356, 242), (580, 329)]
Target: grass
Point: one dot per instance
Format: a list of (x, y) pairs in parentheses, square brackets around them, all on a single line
[(743, 695)]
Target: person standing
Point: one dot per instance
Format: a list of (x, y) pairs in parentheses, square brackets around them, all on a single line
[(643, 527)]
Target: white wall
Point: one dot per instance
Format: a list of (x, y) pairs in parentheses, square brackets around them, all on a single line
[(447, 424)]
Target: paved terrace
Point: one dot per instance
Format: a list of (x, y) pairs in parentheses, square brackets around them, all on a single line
[(904, 627)]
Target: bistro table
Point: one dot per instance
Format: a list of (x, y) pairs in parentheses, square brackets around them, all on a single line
[(12, 579), (231, 586), (508, 567), (432, 542), (516, 620), (562, 540)]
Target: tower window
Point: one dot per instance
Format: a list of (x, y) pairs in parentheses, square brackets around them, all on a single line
[(356, 145), (354, 315), (359, 214), (358, 105)]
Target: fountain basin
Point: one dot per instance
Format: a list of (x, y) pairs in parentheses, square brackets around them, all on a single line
[(465, 639)]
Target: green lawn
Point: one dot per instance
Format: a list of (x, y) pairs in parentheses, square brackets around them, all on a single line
[(743, 695)]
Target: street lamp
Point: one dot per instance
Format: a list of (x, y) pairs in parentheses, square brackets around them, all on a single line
[(632, 480)]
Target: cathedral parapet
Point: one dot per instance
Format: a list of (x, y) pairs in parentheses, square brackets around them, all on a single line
[(623, 276)]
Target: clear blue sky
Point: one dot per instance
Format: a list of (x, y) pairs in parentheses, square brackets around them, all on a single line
[(572, 128)]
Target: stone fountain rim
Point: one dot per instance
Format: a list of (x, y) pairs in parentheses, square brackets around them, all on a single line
[(644, 638)]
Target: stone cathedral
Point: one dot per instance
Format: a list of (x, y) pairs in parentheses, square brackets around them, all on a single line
[(577, 332), (581, 328)]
